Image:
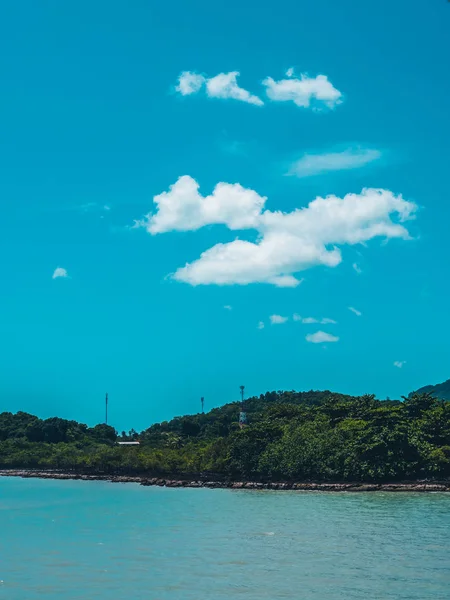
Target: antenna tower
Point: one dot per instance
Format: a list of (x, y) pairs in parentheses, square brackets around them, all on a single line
[(242, 415), (202, 400)]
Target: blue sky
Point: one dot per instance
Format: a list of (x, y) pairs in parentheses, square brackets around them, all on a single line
[(94, 128)]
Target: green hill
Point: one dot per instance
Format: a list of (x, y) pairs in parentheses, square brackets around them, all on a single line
[(440, 390)]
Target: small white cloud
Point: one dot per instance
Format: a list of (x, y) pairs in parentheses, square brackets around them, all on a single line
[(309, 321), (357, 268), (261, 325), (302, 91), (399, 363), (106, 207), (277, 319), (59, 272), (313, 320), (320, 337), (223, 85), (314, 164), (189, 83), (356, 312), (296, 317), (290, 72), (228, 307)]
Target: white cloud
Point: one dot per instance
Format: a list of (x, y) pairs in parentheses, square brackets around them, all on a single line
[(309, 320), (189, 83), (399, 363), (320, 337), (228, 307), (302, 91), (287, 243), (261, 325), (59, 272), (313, 320), (357, 268), (296, 317), (182, 208), (223, 85), (277, 319), (314, 164), (356, 312)]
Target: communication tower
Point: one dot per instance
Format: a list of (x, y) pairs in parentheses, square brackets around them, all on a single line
[(242, 415), (202, 400)]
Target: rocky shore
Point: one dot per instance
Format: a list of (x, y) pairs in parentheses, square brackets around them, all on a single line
[(415, 486)]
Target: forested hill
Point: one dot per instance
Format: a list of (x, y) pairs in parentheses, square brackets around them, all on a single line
[(440, 390), (219, 421), (308, 436), (223, 420)]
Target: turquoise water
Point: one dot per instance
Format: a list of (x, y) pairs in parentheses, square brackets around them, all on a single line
[(89, 540)]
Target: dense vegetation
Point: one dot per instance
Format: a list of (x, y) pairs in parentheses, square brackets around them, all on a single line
[(292, 436)]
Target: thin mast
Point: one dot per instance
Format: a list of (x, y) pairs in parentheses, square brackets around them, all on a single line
[(242, 414)]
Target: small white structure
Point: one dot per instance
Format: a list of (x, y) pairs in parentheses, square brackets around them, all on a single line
[(128, 443)]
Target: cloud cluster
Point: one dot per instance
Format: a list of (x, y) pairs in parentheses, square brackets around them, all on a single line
[(313, 320), (223, 85), (287, 243), (315, 164), (355, 311), (303, 91)]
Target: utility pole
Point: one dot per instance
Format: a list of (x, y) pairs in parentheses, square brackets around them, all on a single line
[(202, 400), (106, 409)]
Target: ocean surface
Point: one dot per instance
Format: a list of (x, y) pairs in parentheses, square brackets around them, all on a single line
[(97, 540)]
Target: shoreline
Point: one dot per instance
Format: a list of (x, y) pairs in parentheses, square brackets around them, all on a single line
[(412, 486)]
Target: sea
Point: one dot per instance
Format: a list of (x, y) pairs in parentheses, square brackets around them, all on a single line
[(62, 540)]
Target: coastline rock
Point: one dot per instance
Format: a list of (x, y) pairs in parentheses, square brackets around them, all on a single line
[(364, 488), (413, 486)]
